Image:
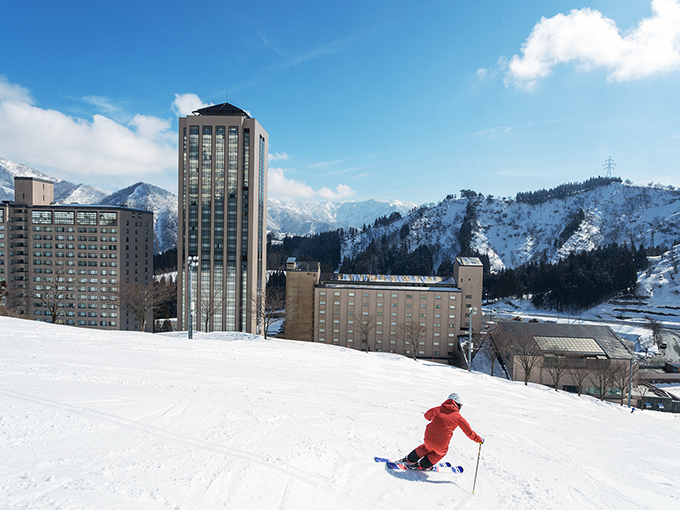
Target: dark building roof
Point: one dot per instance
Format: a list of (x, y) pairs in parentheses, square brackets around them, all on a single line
[(30, 178), (222, 109), (571, 338)]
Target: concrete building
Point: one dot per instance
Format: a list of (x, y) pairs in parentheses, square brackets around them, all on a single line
[(377, 312), (222, 219), (69, 261), (566, 351), (301, 278)]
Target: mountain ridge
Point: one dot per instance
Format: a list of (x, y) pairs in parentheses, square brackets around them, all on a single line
[(512, 233)]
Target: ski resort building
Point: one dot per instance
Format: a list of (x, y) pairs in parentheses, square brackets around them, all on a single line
[(69, 263), (578, 358), (222, 223), (410, 315)]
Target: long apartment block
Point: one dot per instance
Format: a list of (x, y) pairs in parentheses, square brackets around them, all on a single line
[(374, 312), (71, 257)]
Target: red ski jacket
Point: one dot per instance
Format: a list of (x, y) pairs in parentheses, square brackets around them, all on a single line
[(444, 419)]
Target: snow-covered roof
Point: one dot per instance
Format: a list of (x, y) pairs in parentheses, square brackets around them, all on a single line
[(469, 261), (381, 278), (583, 339)]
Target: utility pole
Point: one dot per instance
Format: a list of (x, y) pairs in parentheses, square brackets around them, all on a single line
[(473, 311), (630, 380)]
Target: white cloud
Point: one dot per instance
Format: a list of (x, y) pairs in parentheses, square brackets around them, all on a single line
[(13, 93), (103, 103), (342, 192), (283, 188), (186, 104), (494, 132), (278, 156), (100, 146), (485, 73), (589, 40), (324, 164)]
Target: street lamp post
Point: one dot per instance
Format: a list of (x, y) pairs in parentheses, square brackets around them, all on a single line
[(630, 380), (192, 263), (473, 311)]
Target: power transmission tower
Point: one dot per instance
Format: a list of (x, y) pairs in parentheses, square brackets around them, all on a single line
[(609, 165)]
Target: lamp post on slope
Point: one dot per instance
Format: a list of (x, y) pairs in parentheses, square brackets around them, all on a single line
[(192, 263), (473, 311)]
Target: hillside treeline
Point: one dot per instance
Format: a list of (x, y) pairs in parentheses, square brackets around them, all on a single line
[(381, 257), (563, 190), (323, 248), (577, 282), (165, 262)]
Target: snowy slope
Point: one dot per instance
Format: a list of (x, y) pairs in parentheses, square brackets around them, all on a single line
[(152, 198), (304, 218), (64, 191), (9, 170), (513, 233), (141, 421)]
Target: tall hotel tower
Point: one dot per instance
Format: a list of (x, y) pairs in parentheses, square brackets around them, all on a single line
[(222, 220)]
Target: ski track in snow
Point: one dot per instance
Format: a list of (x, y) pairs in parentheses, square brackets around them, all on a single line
[(140, 421)]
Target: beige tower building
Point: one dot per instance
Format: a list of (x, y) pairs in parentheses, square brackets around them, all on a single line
[(222, 219), (301, 278)]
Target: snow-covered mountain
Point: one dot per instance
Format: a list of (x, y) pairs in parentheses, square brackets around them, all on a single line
[(152, 198), (64, 192), (303, 218), (512, 232), (140, 195)]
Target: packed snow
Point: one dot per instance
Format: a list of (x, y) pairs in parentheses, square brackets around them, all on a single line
[(99, 419)]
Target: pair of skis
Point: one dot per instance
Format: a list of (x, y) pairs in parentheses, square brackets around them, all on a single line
[(441, 467)]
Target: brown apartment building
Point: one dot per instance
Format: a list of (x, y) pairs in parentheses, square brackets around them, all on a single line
[(371, 311), (75, 257)]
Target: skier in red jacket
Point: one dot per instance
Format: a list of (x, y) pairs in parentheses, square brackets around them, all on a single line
[(443, 419)]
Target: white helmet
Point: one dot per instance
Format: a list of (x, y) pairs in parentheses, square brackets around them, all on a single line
[(456, 398)]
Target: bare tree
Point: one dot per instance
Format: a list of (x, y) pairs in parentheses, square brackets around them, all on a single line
[(273, 307), (210, 304), (51, 293), (602, 376), (14, 300), (4, 292), (645, 343), (269, 308), (366, 325), (412, 333), (141, 299), (578, 371), (556, 366), (490, 349), (656, 329), (528, 354), (622, 375)]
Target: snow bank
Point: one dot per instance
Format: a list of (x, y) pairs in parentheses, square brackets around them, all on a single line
[(139, 421)]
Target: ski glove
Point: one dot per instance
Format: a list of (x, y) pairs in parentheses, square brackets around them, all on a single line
[(481, 440)]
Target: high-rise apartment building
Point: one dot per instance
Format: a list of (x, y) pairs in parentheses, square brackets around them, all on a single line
[(222, 219), (68, 263)]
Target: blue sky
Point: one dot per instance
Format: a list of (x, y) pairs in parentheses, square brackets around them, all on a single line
[(385, 100)]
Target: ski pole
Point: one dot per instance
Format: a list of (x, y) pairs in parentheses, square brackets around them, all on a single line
[(478, 455)]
